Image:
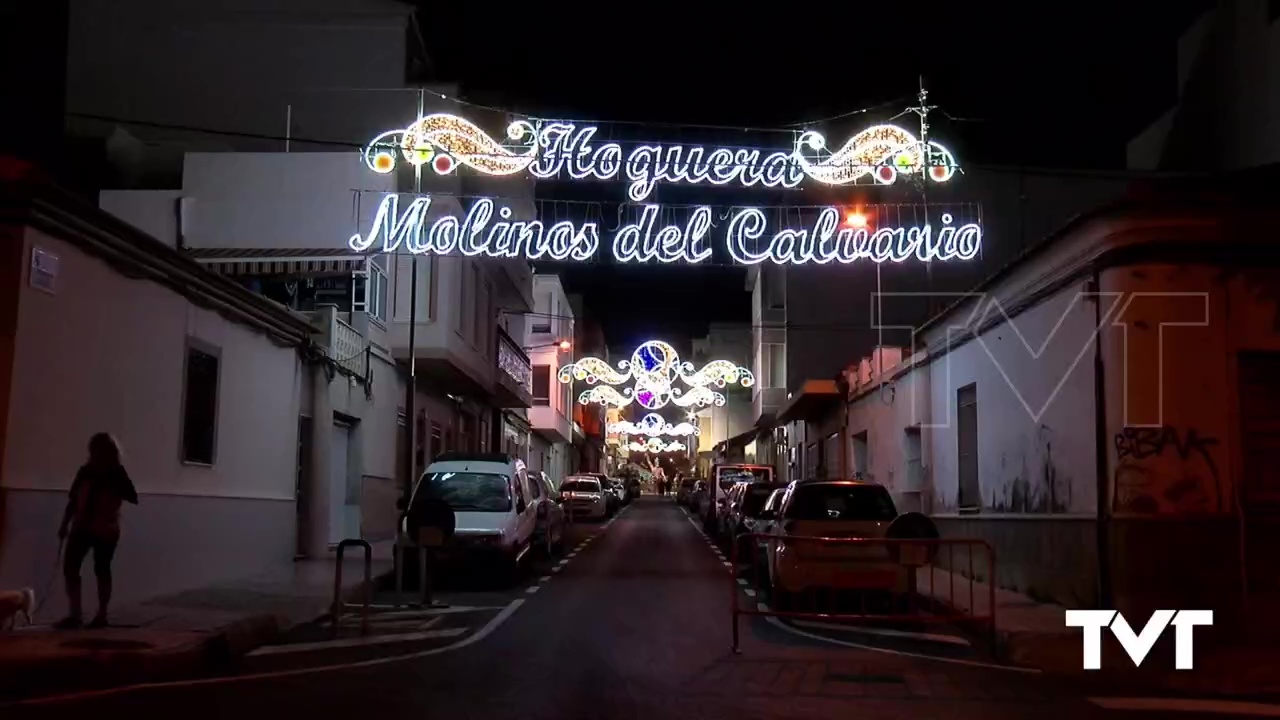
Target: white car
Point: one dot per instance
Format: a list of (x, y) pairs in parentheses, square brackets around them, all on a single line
[(494, 502), (583, 497)]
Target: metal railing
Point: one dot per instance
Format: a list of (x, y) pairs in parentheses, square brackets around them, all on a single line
[(339, 603), (905, 573), (349, 348)]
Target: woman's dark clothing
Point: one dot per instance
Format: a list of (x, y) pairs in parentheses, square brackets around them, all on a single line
[(78, 547), (96, 496)]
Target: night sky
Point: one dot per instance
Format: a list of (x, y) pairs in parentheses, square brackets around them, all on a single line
[(1047, 85)]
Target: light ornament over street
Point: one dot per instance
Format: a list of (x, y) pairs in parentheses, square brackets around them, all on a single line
[(489, 230), (654, 445), (653, 425), (652, 370), (880, 153)]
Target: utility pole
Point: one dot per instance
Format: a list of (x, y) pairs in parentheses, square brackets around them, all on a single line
[(411, 393)]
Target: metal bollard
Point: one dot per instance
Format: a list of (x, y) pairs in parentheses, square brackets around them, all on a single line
[(338, 603)]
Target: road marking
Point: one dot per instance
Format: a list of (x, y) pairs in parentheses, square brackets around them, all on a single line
[(750, 592), (415, 623), (886, 632), (562, 563), (1223, 707), (532, 590), (920, 656), (727, 563), (471, 639), (544, 578), (742, 581), (357, 642), (556, 569), (431, 612)]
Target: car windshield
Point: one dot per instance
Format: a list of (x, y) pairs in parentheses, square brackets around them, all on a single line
[(468, 491), (731, 476), (581, 486), (842, 502), (755, 498)]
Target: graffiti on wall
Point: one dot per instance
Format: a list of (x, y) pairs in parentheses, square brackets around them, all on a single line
[(1165, 469)]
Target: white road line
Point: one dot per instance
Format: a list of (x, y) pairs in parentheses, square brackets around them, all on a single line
[(742, 581), (871, 648), (532, 590), (471, 639), (1222, 707), (562, 563), (750, 592), (885, 632), (544, 578), (727, 564), (415, 623), (428, 613), (357, 642), (556, 569)]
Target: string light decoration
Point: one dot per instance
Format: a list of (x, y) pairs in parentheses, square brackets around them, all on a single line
[(654, 445), (549, 150), (444, 140), (652, 371), (653, 425)]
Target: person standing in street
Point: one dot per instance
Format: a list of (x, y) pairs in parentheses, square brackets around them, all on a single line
[(91, 524)]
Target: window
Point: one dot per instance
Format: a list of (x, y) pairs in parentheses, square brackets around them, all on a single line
[(471, 492), (774, 361), (200, 406), (841, 502), (518, 483), (541, 328), (541, 384), (478, 306), (970, 491), (535, 487), (369, 291)]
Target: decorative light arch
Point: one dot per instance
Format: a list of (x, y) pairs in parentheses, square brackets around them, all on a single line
[(652, 371), (653, 425), (654, 445)]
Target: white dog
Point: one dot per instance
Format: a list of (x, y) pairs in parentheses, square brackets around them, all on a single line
[(15, 603)]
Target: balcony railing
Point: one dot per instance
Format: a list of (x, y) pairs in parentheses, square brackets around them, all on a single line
[(349, 348), (514, 362)]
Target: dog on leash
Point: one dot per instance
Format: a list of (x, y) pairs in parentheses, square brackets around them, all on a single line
[(15, 604)]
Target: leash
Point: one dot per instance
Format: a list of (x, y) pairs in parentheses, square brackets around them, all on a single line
[(53, 577)]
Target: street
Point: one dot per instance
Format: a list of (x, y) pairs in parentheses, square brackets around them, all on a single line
[(632, 621)]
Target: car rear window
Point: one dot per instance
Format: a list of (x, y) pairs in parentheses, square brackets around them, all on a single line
[(582, 486), (756, 497), (731, 476), (842, 503)]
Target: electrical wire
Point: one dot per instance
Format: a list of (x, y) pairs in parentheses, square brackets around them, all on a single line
[(1098, 173)]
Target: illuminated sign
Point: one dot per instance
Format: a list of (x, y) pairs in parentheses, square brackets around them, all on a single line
[(653, 425), (652, 371), (654, 445), (558, 149), (489, 230)]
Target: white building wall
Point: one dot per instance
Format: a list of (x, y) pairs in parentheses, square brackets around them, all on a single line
[(553, 314), (107, 353), (1035, 390)]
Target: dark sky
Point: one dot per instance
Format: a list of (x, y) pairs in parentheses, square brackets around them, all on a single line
[(1050, 84), (1030, 83)]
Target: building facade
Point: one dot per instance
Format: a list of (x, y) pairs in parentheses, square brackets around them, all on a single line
[(201, 381), (1100, 412), (551, 417)]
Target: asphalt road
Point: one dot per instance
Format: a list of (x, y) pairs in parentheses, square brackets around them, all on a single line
[(632, 621)]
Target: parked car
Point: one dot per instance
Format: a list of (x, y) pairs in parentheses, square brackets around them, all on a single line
[(723, 478), (584, 497), (494, 503), (685, 491), (744, 515), (698, 495), (549, 534), (839, 509)]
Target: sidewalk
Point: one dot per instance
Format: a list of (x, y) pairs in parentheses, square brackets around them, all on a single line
[(1033, 634), (180, 634)]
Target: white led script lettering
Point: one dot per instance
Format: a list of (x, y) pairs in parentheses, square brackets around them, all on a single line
[(474, 235), (746, 237)]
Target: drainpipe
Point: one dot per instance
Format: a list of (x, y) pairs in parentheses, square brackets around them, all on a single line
[(842, 385), (1103, 523), (316, 492)]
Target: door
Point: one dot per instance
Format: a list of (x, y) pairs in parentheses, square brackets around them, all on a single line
[(304, 481), (344, 488), (1259, 388)]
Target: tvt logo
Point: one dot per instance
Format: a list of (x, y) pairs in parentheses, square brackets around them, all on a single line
[(1138, 645)]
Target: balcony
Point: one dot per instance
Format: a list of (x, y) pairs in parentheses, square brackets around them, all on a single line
[(341, 342), (514, 377)]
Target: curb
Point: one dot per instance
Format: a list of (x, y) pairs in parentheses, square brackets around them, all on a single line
[(217, 650)]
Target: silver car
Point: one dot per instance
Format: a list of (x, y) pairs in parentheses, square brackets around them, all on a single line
[(584, 498)]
